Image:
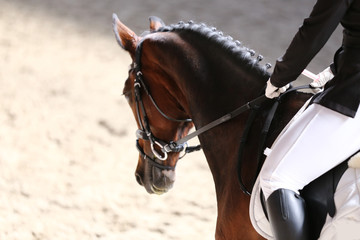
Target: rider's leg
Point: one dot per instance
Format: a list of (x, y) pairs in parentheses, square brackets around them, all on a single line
[(318, 140), (315, 142)]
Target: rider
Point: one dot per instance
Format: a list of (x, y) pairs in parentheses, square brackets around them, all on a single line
[(327, 132)]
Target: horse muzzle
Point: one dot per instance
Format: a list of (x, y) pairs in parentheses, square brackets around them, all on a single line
[(163, 180), (160, 181), (154, 179)]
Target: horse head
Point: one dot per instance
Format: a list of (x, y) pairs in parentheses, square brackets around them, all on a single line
[(159, 112)]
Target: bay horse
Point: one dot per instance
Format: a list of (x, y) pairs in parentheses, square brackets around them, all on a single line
[(186, 75)]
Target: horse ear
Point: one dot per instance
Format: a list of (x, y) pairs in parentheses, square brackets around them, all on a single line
[(155, 23), (126, 38)]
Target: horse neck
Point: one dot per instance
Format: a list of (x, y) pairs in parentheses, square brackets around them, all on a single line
[(225, 87), (207, 85)]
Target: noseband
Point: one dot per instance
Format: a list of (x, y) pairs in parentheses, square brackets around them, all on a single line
[(145, 132)]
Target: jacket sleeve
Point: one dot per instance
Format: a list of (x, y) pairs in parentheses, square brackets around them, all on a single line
[(310, 38)]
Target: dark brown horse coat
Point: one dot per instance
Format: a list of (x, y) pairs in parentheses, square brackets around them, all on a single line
[(194, 71)]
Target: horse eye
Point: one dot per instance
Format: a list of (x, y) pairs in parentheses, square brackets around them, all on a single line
[(127, 95)]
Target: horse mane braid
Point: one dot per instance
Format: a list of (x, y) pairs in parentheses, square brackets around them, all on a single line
[(234, 47)]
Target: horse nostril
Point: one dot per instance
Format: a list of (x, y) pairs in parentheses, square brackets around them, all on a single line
[(139, 179)]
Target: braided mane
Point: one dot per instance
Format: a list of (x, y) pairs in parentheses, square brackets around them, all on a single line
[(233, 47)]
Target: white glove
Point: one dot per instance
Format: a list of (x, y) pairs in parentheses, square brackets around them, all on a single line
[(272, 91), (322, 78)]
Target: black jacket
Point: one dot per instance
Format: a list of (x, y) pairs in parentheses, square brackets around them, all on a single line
[(342, 93)]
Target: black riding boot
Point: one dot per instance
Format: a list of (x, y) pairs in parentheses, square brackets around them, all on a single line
[(287, 215)]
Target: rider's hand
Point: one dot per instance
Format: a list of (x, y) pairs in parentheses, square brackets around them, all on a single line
[(272, 91), (322, 78)]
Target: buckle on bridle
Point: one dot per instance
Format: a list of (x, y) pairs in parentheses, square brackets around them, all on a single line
[(140, 134), (173, 147)]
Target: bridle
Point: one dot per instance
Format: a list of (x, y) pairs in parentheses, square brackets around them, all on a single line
[(145, 131)]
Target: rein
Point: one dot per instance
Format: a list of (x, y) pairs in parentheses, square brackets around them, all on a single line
[(177, 146)]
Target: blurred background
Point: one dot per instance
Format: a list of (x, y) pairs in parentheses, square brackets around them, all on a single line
[(67, 143)]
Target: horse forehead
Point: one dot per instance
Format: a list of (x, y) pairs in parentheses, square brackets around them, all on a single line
[(161, 49), (164, 38)]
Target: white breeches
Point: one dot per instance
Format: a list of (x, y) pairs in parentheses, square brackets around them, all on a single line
[(315, 141)]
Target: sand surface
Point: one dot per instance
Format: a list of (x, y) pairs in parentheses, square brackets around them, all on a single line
[(67, 143)]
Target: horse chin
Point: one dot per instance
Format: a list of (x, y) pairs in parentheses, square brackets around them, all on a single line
[(160, 181)]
